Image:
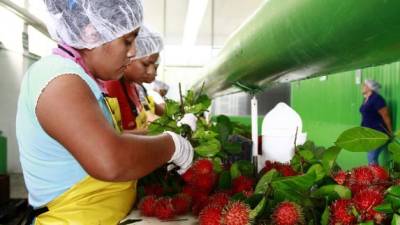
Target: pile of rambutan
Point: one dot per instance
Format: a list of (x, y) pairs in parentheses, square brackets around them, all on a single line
[(284, 169), (367, 184)]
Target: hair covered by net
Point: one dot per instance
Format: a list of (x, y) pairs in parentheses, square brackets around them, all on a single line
[(148, 42), (91, 23), (374, 85)]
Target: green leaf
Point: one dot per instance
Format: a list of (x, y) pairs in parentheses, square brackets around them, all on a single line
[(265, 181), (394, 190), (217, 164), (318, 170), (361, 139), (394, 200), (242, 167), (224, 127), (367, 223), (238, 197), (204, 134), (332, 192), (325, 216), (195, 109), (293, 188), (394, 148), (258, 209), (172, 107), (204, 100), (397, 134), (384, 207), (396, 219), (189, 97), (329, 158), (209, 148), (253, 200), (224, 182), (307, 154), (232, 148)]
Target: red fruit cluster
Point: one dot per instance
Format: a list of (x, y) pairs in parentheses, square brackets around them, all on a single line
[(288, 213), (201, 176), (368, 176), (211, 212), (146, 205), (210, 215), (341, 213), (285, 170), (236, 213), (154, 189), (181, 203), (200, 180), (242, 184), (165, 208), (340, 177), (363, 203)]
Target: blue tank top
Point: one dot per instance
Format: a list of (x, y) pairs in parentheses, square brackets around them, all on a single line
[(370, 116), (49, 169)]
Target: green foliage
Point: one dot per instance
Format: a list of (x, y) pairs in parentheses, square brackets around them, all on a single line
[(209, 140), (265, 181), (329, 158), (394, 149), (294, 188), (332, 192), (258, 209), (325, 216), (225, 180), (396, 219), (242, 167), (361, 139)]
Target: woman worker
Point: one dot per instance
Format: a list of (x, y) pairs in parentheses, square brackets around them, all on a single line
[(78, 169), (152, 45), (134, 112), (374, 114)]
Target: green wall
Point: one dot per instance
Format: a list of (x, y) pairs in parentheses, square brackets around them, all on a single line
[(330, 106)]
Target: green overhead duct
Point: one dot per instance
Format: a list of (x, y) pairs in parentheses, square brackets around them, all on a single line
[(287, 40)]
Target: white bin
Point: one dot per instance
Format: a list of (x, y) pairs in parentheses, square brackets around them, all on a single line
[(278, 134)]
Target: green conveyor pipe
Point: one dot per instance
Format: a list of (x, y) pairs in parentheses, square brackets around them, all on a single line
[(286, 40)]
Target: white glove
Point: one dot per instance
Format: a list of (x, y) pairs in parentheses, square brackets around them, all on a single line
[(189, 119), (183, 155)]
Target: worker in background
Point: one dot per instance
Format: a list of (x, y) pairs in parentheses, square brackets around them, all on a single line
[(160, 87), (375, 114), (78, 167), (136, 115), (151, 101)]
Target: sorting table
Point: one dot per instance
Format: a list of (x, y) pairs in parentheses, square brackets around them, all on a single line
[(182, 220)]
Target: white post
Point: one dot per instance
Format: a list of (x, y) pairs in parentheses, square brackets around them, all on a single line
[(254, 129)]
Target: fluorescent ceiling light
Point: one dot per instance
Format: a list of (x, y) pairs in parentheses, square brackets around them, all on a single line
[(194, 17)]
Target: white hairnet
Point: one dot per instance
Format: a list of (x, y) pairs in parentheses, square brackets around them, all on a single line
[(91, 23), (373, 85), (148, 42), (159, 85)]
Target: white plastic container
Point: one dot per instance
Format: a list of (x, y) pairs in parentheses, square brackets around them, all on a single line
[(279, 129)]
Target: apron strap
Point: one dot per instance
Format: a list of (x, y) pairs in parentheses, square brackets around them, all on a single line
[(130, 102), (31, 214)]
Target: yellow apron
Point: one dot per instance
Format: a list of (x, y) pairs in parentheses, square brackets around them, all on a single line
[(141, 120), (152, 104), (91, 201)]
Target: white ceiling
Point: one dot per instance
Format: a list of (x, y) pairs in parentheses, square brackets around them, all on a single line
[(228, 16)]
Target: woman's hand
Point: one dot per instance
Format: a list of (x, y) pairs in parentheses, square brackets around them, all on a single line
[(183, 155)]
